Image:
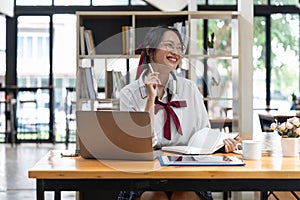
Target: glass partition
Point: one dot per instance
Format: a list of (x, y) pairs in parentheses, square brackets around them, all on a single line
[(2, 75), (33, 69), (259, 63), (64, 72), (284, 59), (33, 51)]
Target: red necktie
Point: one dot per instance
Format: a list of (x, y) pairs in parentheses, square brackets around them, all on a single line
[(169, 112)]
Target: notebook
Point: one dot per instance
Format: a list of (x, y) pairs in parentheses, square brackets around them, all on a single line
[(204, 141), (115, 135)]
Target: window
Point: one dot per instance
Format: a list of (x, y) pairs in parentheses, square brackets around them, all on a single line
[(33, 50), (200, 2), (20, 49), (284, 2), (28, 47), (79, 2), (276, 2), (110, 2), (260, 2), (284, 59), (217, 2), (2, 48), (73, 2), (2, 74), (222, 2), (259, 63), (138, 2), (64, 66), (43, 46), (33, 2), (64, 45)]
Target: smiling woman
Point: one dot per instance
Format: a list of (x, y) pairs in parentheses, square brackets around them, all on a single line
[(175, 104), (154, 92)]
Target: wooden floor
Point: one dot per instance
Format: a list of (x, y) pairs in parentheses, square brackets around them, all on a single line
[(15, 185)]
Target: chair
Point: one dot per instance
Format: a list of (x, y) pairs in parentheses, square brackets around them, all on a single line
[(265, 122), (27, 115), (222, 124), (225, 110), (11, 121)]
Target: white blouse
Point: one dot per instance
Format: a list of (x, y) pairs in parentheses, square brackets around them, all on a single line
[(193, 117)]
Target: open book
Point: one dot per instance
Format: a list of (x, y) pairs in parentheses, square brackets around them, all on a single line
[(205, 141)]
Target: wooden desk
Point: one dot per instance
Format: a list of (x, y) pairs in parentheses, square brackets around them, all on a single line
[(56, 173)]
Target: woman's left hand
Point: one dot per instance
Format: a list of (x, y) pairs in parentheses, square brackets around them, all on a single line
[(230, 144)]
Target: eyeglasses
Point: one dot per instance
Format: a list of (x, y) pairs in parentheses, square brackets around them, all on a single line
[(169, 46)]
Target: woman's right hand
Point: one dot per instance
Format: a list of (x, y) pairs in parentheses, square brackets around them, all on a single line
[(151, 82)]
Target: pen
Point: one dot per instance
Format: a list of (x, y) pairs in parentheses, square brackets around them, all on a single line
[(151, 70), (150, 67)]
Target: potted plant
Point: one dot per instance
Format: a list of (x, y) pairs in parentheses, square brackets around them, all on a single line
[(211, 44), (289, 132)]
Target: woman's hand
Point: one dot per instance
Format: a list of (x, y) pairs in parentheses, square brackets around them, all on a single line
[(151, 82), (230, 144)]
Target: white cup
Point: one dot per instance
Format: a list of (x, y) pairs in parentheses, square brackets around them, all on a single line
[(251, 149)]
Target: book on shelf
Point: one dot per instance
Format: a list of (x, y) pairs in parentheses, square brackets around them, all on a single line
[(119, 80), (91, 82), (82, 40), (109, 86), (127, 40), (87, 83), (88, 35), (204, 141), (186, 37), (183, 29), (114, 83), (81, 83)]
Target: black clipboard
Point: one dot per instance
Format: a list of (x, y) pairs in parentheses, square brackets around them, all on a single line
[(200, 160)]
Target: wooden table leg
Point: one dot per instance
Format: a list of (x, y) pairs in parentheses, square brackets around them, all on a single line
[(39, 190), (264, 195), (57, 195)]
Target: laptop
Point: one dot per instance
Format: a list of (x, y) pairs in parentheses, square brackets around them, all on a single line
[(115, 135)]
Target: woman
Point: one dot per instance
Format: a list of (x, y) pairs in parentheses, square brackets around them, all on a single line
[(175, 104)]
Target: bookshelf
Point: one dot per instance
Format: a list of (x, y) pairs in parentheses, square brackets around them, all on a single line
[(198, 65)]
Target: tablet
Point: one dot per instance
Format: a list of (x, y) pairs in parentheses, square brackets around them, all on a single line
[(200, 160)]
